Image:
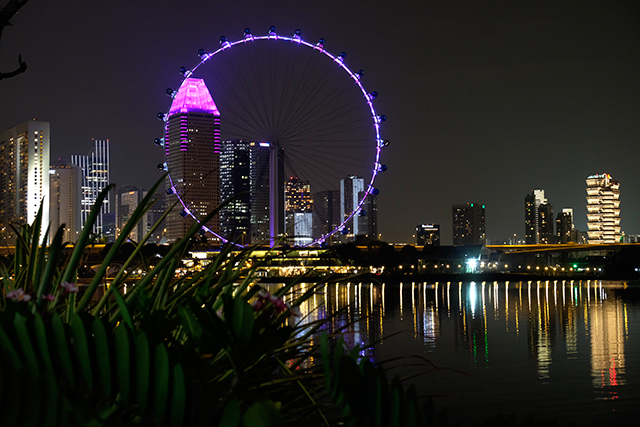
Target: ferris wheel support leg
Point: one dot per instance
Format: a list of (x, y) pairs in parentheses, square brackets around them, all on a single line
[(273, 194)]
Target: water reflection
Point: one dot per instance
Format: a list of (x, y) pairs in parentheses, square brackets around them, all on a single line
[(571, 331)]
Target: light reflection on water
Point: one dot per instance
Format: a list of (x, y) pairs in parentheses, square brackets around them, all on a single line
[(568, 350)]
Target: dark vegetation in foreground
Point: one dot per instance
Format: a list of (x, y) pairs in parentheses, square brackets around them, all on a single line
[(209, 348)]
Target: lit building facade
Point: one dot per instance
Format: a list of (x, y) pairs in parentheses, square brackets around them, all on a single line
[(95, 177), (326, 214), (545, 224), (24, 175), (65, 200), (469, 224), (192, 148), (428, 235), (564, 226), (368, 223), (128, 199), (260, 220), (603, 209), (532, 203), (235, 183), (298, 211), (350, 188)]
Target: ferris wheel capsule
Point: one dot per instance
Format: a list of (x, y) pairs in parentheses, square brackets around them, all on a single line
[(272, 31), (159, 141), (160, 116)]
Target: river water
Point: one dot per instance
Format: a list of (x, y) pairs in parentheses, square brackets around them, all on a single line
[(567, 351)]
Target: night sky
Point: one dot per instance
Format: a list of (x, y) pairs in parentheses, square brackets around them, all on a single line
[(485, 102)]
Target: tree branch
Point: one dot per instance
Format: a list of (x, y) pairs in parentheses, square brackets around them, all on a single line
[(6, 13)]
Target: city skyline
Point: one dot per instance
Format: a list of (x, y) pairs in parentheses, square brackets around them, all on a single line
[(466, 88)]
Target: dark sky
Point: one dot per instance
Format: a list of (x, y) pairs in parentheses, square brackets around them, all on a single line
[(485, 100)]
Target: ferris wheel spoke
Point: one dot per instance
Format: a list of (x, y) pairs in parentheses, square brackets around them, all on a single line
[(351, 163), (228, 88), (338, 129), (306, 99), (291, 100), (309, 120)]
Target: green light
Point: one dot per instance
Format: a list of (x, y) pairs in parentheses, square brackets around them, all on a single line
[(482, 206), (471, 204), (575, 265)]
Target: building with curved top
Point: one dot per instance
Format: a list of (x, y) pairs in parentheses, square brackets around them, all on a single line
[(603, 209)]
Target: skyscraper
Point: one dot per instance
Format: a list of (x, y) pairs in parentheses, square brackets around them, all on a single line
[(545, 224), (24, 174), (128, 199), (368, 223), (326, 214), (192, 145), (235, 182), (564, 226), (95, 177), (260, 221), (468, 224), (350, 188), (603, 209), (298, 211), (65, 200), (532, 203)]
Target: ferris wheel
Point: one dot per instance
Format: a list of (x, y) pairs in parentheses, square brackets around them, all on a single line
[(308, 110)]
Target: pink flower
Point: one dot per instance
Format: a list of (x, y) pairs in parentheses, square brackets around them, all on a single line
[(18, 295), (70, 288), (48, 297), (264, 299)]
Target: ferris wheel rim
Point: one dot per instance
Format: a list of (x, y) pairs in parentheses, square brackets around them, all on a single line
[(338, 59)]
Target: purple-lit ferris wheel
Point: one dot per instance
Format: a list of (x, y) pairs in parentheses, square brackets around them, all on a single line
[(302, 112)]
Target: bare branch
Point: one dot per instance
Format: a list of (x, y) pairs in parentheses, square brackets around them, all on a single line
[(6, 13)]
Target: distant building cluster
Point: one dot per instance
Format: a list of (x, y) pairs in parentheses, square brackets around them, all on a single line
[(207, 172), (603, 220), (242, 183)]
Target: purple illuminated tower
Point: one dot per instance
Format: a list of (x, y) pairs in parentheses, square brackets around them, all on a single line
[(192, 144)]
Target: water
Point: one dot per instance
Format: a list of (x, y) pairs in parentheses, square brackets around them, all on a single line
[(561, 350)]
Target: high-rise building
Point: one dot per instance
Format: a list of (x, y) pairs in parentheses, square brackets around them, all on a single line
[(350, 188), (235, 185), (545, 224), (468, 224), (532, 203), (128, 199), (260, 206), (428, 235), (24, 175), (603, 209), (65, 200), (326, 214), (95, 177), (368, 222), (192, 145), (298, 211), (564, 226)]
